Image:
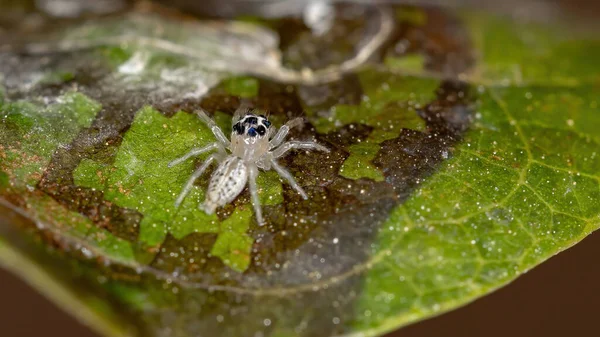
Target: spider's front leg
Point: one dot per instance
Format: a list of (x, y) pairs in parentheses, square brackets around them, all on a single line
[(296, 145), (194, 152), (216, 130), (252, 174), (283, 131), (241, 110)]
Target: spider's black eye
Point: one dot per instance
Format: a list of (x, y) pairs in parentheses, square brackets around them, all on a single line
[(266, 123), (261, 130), (252, 132), (238, 128), (252, 120)]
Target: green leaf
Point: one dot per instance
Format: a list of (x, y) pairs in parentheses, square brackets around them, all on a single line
[(435, 192)]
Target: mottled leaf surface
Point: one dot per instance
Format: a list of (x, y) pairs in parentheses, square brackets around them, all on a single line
[(464, 154)]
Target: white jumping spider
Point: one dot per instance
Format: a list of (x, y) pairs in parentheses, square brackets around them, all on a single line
[(254, 145)]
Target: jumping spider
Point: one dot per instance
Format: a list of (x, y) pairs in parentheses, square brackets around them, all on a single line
[(254, 145)]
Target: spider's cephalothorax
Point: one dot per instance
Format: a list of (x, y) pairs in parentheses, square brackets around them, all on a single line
[(254, 145), (250, 135)]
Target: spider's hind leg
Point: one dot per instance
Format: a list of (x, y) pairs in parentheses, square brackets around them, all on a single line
[(253, 173), (190, 183)]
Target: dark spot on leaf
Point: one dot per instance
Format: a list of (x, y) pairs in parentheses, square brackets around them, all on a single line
[(189, 255)]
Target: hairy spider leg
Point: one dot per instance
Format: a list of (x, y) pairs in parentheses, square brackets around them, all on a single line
[(252, 174), (272, 132), (190, 183), (283, 131), (194, 152), (241, 110), (296, 145), (216, 130), (285, 174)]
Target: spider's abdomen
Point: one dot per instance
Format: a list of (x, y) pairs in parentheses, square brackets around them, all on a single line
[(226, 183)]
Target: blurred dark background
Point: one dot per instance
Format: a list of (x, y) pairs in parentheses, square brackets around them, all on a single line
[(558, 298)]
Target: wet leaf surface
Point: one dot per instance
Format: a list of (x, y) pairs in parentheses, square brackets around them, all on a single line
[(454, 166)]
